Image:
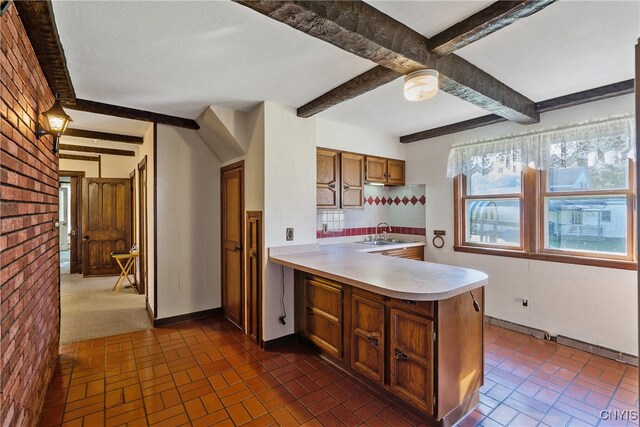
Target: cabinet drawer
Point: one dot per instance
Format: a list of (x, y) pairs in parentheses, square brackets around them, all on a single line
[(414, 252), (424, 308)]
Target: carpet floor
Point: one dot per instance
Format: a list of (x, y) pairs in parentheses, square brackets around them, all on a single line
[(90, 310)]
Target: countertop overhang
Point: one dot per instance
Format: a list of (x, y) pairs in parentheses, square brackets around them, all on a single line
[(352, 264)]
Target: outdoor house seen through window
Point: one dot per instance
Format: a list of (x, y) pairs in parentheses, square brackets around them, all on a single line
[(565, 195)]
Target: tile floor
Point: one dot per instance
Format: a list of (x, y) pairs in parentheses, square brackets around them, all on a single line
[(207, 373)]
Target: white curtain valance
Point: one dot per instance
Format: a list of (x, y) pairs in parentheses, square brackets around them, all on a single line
[(607, 141)]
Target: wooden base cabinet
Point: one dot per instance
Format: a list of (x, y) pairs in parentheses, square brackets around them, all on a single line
[(323, 315), (411, 358), (367, 339), (426, 355)]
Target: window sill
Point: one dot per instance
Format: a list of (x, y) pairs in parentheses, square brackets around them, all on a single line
[(594, 262)]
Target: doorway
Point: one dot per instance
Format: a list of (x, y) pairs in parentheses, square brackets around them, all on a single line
[(143, 228), (70, 199), (254, 274), (232, 212)]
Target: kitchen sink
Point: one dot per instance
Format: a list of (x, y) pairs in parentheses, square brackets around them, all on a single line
[(384, 242)]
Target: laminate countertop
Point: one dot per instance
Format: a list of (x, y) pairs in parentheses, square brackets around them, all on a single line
[(352, 264)]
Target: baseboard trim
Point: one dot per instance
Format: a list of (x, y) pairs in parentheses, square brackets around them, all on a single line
[(597, 350), (280, 342), (212, 312), (150, 314)]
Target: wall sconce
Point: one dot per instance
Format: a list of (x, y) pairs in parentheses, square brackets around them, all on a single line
[(58, 121)]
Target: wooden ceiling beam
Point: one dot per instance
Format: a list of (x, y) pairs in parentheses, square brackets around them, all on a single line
[(479, 25), (571, 100), (363, 30), (365, 82), (40, 25), (99, 150), (79, 157), (132, 113), (104, 136)]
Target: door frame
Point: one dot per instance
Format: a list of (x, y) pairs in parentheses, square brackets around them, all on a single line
[(236, 165), (143, 228), (76, 262), (257, 217)]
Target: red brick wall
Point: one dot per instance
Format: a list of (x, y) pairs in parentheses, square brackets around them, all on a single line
[(29, 269)]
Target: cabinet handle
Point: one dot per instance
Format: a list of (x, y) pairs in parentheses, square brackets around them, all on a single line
[(408, 302), (332, 186), (399, 355), (309, 310), (373, 341)]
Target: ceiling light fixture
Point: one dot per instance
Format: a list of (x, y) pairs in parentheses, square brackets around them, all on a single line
[(57, 120), (421, 85)]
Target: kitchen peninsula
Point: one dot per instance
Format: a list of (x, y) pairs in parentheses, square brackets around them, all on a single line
[(410, 329)]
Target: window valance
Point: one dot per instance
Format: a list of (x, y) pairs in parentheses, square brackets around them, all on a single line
[(606, 141)]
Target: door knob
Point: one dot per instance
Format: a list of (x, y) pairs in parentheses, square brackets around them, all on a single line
[(237, 248), (86, 237), (252, 254)]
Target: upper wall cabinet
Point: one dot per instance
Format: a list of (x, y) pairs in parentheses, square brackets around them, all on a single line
[(384, 171), (352, 171), (327, 178)]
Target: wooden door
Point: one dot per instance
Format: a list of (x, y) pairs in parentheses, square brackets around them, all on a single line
[(411, 358), (395, 172), (352, 173), (76, 220), (232, 205), (106, 216), (376, 170), (143, 228), (254, 272), (327, 178), (323, 310), (367, 337)]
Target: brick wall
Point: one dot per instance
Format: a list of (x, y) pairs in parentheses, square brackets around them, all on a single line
[(29, 270)]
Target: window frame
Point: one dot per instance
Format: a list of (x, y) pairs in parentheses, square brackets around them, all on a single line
[(532, 206)]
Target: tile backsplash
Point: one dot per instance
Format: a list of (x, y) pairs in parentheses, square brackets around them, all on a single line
[(401, 207)]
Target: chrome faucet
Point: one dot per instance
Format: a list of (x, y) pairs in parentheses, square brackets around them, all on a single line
[(384, 237)]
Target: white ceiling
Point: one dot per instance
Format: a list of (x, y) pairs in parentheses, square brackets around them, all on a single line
[(180, 57)]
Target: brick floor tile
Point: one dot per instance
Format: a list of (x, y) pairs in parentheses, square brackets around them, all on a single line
[(238, 413)]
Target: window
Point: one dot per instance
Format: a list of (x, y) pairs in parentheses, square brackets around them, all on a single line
[(565, 196)]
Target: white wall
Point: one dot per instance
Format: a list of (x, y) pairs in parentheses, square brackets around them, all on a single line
[(289, 201), (188, 181), (596, 305), (349, 138)]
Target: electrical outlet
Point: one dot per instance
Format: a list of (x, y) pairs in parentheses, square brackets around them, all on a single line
[(325, 227), (289, 234), (525, 302)]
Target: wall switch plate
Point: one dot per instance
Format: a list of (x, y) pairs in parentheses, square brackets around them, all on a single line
[(325, 227), (439, 232), (525, 302), (289, 234)]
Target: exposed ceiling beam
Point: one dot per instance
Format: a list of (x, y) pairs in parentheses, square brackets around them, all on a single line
[(132, 113), (99, 150), (369, 80), (479, 25), (363, 30), (104, 136), (79, 157), (590, 95), (40, 25), (577, 98), (453, 128)]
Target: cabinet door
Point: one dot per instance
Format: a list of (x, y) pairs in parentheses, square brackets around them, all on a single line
[(367, 339), (376, 170), (411, 358), (327, 178), (324, 315), (352, 168), (395, 172), (414, 252)]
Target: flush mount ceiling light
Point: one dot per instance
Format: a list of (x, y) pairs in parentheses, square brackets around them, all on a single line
[(421, 85), (57, 120)]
